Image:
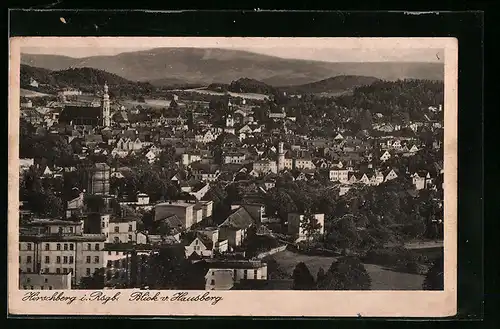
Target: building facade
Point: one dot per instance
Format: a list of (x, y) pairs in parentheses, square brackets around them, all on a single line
[(60, 247)]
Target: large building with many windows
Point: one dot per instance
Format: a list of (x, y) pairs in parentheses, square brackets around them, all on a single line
[(60, 247)]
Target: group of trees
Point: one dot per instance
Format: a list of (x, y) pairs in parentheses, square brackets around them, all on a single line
[(156, 184), (395, 98), (41, 196), (364, 218), (55, 149), (347, 273)]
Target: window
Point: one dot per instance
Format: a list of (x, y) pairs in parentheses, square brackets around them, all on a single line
[(255, 274), (88, 271), (96, 260), (245, 274), (70, 270), (234, 274), (212, 282), (28, 259), (24, 287), (58, 247), (41, 287), (58, 270), (196, 242), (89, 246), (71, 229), (71, 246), (47, 246), (46, 280), (47, 259), (50, 287), (130, 237), (109, 252), (71, 260), (103, 225), (88, 260), (28, 245), (65, 270), (31, 287), (117, 253), (65, 246), (130, 228), (117, 229), (47, 270), (65, 259), (97, 246), (28, 270), (58, 259)]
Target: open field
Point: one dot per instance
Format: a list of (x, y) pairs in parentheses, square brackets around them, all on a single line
[(154, 103), (382, 278), (216, 93), (30, 93)]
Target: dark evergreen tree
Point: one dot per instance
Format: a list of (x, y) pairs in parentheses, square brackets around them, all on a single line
[(302, 278), (434, 279), (348, 273)]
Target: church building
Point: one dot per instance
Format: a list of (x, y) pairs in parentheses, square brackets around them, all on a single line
[(88, 115)]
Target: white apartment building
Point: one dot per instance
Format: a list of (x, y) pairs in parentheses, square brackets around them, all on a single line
[(60, 247), (50, 281), (265, 166), (222, 275), (339, 175), (122, 230)]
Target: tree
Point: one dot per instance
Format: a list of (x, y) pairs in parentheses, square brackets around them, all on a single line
[(95, 203), (302, 278), (320, 276), (45, 203), (434, 279), (348, 273), (153, 185), (273, 269), (168, 268), (310, 225), (96, 281)]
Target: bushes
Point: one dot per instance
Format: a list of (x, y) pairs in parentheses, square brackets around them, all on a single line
[(398, 258)]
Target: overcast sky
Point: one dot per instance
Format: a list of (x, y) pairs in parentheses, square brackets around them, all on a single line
[(310, 49)]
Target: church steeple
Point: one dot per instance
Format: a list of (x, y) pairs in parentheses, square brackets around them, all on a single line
[(106, 115)]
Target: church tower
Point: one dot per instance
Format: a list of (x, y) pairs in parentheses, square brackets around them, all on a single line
[(106, 115), (281, 157), (229, 121)]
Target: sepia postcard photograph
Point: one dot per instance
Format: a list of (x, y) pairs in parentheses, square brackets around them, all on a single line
[(184, 176)]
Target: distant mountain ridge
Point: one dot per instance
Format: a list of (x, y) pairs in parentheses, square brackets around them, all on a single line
[(164, 66)]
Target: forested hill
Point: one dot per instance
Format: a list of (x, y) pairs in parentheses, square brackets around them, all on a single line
[(334, 84), (395, 98), (331, 85), (244, 85), (82, 78)]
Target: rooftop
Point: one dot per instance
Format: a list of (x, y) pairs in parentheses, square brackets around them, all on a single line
[(234, 264)]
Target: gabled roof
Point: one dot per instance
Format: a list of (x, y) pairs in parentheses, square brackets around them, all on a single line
[(93, 138), (238, 219), (172, 221)]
